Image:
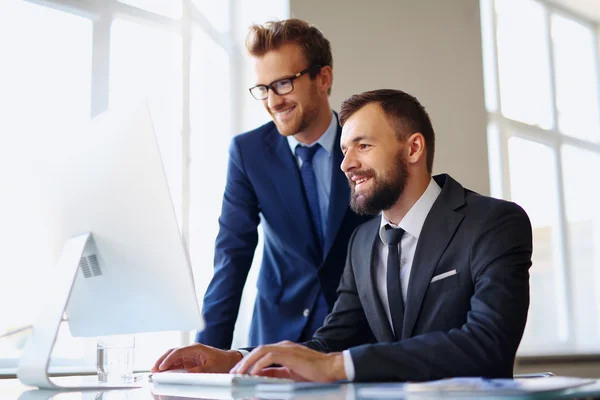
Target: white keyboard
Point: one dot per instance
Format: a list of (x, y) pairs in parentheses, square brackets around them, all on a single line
[(212, 379)]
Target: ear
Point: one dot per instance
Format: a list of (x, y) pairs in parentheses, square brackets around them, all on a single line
[(417, 151), (325, 78)]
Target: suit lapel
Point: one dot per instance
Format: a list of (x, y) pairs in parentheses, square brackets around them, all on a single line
[(365, 278), (288, 184), (339, 198), (439, 228)]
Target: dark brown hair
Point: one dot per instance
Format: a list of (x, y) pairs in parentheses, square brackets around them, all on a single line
[(273, 34), (404, 111)]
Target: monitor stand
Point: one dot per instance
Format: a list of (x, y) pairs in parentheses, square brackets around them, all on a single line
[(33, 364)]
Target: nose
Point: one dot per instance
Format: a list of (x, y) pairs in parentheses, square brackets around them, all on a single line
[(349, 162), (273, 99)]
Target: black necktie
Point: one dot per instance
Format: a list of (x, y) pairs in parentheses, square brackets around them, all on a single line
[(309, 182), (394, 288)]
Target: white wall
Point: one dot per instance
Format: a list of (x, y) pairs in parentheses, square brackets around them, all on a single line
[(428, 48)]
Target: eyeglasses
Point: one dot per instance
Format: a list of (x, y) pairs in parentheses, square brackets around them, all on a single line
[(279, 87)]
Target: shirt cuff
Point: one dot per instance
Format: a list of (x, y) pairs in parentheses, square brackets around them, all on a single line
[(348, 365), (244, 353)]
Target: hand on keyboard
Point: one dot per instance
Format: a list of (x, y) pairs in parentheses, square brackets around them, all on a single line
[(197, 358)]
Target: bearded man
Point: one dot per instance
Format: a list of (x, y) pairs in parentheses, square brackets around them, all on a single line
[(437, 286)]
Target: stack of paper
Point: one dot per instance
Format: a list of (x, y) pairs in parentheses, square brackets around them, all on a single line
[(476, 387)]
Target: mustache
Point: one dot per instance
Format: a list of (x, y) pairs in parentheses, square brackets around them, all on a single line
[(366, 173), (281, 106)]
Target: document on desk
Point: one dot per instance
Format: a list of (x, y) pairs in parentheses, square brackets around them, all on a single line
[(475, 387)]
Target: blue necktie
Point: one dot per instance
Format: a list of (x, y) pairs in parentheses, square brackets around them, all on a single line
[(394, 287), (309, 182)]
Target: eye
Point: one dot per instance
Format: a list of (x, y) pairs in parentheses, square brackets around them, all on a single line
[(259, 90), (363, 146), (283, 85)]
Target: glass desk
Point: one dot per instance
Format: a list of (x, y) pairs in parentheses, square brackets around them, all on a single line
[(12, 389)]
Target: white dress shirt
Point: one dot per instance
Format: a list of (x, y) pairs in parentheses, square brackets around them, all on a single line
[(412, 223)]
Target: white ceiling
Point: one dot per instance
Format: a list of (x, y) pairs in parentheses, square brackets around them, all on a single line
[(589, 9)]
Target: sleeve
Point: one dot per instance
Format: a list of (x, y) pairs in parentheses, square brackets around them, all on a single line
[(348, 365), (346, 325), (234, 251), (486, 344)]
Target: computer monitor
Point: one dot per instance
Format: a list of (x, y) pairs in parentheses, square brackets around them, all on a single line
[(122, 267)]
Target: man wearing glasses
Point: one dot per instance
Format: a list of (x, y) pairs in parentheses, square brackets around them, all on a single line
[(286, 176)]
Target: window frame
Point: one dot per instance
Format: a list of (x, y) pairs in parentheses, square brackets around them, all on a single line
[(102, 14), (501, 129)]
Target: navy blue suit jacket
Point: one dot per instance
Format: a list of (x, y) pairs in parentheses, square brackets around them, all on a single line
[(467, 324), (264, 185)]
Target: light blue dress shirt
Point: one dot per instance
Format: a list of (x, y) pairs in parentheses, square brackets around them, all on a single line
[(321, 165)]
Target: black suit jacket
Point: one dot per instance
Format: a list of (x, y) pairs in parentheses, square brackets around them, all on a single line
[(468, 324)]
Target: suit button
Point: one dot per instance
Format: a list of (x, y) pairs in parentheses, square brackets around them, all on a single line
[(306, 312)]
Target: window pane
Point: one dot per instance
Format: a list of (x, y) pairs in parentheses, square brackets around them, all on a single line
[(523, 62), (257, 12), (45, 79), (147, 61), (583, 227), (547, 315), (252, 113), (211, 132), (168, 8), (576, 79), (217, 12)]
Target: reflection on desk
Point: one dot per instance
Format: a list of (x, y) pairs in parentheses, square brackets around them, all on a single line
[(11, 389), (173, 392)]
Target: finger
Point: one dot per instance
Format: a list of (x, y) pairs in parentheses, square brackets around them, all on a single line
[(244, 365), (275, 372), (173, 359), (265, 362), (283, 372), (301, 368), (160, 360), (279, 372), (155, 368)]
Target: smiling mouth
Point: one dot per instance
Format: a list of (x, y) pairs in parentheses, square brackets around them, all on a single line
[(360, 181), (285, 112)]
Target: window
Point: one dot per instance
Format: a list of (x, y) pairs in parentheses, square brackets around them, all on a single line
[(543, 139), (65, 61)]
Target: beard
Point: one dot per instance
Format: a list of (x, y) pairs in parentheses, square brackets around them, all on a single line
[(385, 191), (307, 115)]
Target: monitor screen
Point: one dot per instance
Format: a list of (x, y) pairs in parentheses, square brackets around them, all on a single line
[(134, 275)]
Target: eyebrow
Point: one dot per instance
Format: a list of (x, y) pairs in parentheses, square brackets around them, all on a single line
[(358, 139), (272, 82)]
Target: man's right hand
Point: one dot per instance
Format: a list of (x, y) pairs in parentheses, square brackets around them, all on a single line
[(198, 358)]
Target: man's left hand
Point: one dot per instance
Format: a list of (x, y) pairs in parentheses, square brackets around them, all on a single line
[(297, 362)]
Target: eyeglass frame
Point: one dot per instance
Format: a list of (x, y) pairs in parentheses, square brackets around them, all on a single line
[(290, 78)]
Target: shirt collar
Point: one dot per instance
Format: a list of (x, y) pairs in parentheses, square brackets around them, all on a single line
[(413, 221), (327, 139)]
